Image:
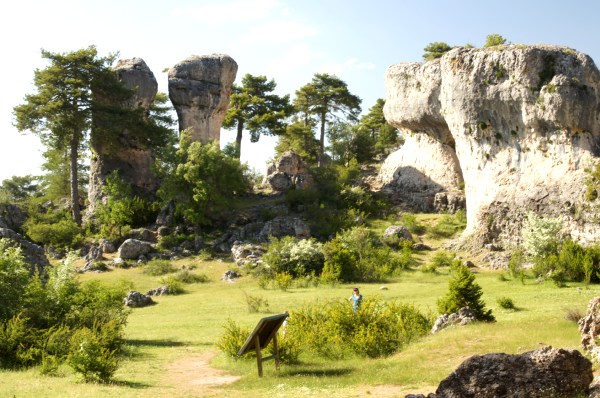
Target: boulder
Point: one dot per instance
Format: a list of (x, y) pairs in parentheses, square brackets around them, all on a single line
[(247, 254), (106, 246), (132, 249), (158, 291), (200, 88), (398, 231), (510, 122), (545, 372), (33, 254), (125, 154), (464, 316), (137, 299), (287, 172), (285, 226), (11, 216), (449, 202)]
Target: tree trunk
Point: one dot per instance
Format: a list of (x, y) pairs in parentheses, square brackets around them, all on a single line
[(322, 141), (238, 139), (73, 157)]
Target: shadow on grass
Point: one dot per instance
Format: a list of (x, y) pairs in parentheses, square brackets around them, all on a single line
[(130, 384), (154, 343), (318, 372)]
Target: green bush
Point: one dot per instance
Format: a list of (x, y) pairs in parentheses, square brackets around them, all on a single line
[(283, 280), (295, 257), (185, 276), (569, 262), (158, 267), (463, 291), (61, 234), (506, 303), (442, 258), (256, 303), (356, 255), (173, 284), (233, 339), (378, 329), (410, 222), (449, 225), (91, 358)]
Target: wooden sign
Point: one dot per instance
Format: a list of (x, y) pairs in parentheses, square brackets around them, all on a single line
[(264, 332)]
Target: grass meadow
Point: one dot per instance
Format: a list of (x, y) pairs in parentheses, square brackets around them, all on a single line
[(164, 340)]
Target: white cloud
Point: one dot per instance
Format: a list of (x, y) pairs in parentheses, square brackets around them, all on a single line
[(349, 65), (278, 32), (231, 12)]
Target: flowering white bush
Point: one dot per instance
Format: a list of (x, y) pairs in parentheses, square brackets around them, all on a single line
[(540, 233)]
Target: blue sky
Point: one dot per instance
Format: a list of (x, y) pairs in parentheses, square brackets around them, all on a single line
[(288, 41)]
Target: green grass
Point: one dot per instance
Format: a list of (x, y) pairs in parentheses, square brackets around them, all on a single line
[(182, 326)]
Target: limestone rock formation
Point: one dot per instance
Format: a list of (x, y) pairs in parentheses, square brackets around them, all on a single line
[(33, 254), (546, 372), (136, 299), (287, 172), (133, 161), (200, 88), (518, 124), (589, 327), (132, 249)]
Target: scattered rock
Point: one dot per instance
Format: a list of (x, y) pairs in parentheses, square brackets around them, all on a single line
[(399, 232), (247, 254), (287, 172), (136, 299), (285, 226), (158, 291), (132, 249), (33, 254), (230, 276), (464, 316)]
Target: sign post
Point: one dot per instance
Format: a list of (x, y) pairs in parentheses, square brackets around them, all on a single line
[(264, 332)]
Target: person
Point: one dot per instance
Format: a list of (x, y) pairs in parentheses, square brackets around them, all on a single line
[(356, 299)]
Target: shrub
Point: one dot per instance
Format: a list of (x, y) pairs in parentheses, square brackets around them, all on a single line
[(256, 303), (494, 40), (540, 235), (506, 303), (442, 258), (158, 267), (233, 338), (295, 257), (516, 263), (173, 284), (435, 50), (449, 225), (463, 291), (378, 329), (356, 255), (185, 276), (574, 315), (410, 222), (90, 358), (61, 234), (13, 281), (283, 280)]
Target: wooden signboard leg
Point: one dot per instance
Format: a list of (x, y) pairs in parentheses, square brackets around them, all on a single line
[(276, 351), (258, 356)]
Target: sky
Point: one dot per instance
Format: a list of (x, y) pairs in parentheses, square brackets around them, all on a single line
[(285, 40)]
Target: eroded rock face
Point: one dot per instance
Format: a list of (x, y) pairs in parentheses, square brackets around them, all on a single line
[(589, 327), (200, 88), (33, 254), (133, 161), (546, 372), (519, 124), (287, 172)]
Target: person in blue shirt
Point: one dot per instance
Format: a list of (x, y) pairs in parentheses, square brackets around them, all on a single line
[(356, 299)]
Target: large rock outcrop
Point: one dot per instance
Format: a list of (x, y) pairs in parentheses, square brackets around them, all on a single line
[(518, 124), (200, 88), (132, 160), (546, 372)]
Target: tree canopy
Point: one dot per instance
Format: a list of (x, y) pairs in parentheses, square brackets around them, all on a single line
[(435, 50), (324, 99), (494, 40), (61, 110), (255, 108)]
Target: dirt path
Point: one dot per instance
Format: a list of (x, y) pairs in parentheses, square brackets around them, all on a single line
[(194, 377)]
